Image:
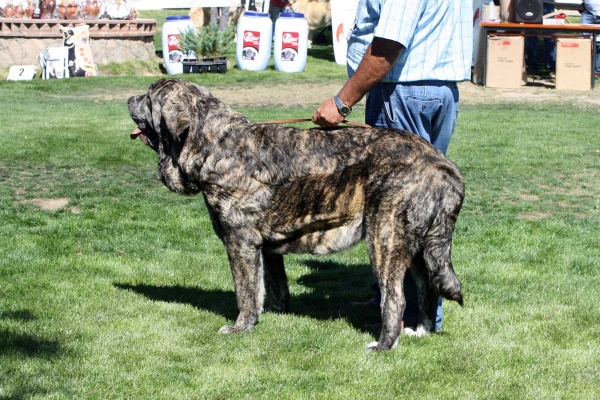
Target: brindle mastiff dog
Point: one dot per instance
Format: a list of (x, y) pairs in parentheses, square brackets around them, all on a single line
[(272, 190)]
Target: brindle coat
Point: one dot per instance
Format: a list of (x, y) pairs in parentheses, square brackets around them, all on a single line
[(272, 190)]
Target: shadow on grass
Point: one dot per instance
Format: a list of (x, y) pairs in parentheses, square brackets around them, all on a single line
[(217, 301), (334, 287), (24, 343), (27, 344), (322, 53), (18, 315)]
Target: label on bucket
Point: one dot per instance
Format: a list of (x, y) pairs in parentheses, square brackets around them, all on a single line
[(289, 45), (175, 55), (251, 45)]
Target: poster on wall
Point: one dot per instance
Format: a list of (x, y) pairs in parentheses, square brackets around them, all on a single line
[(343, 14)]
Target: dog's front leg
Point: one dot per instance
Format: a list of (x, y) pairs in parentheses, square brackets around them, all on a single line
[(276, 282), (245, 260)]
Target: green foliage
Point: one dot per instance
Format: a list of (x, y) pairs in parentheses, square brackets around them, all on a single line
[(208, 42), (190, 42), (225, 41)]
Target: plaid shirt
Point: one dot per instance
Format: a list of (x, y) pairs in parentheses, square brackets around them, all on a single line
[(437, 36), (592, 6)]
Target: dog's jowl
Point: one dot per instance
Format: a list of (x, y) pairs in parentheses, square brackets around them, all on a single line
[(272, 190)]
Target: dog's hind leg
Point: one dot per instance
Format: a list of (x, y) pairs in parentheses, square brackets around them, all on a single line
[(246, 262), (390, 261), (427, 299), (276, 283)]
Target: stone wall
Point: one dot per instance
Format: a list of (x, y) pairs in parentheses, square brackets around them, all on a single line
[(23, 51), (112, 41)]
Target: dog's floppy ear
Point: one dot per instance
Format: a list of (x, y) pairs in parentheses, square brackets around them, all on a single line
[(168, 111), (181, 107), (175, 116)]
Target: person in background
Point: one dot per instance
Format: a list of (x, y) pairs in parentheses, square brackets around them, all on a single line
[(531, 46), (591, 16), (220, 14), (277, 7), (408, 56)]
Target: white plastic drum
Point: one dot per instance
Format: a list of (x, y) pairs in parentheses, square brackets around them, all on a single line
[(291, 42), (254, 36), (172, 28)]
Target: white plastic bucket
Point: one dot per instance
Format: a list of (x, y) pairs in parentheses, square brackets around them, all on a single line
[(254, 36), (172, 28), (291, 42)]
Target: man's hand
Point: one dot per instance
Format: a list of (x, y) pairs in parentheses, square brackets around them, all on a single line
[(380, 57), (327, 114)]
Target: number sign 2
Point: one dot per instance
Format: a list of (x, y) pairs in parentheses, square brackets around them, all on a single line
[(21, 72)]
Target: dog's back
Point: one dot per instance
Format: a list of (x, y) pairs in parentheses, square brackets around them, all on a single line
[(388, 172)]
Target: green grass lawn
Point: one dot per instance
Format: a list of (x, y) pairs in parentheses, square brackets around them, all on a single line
[(120, 293)]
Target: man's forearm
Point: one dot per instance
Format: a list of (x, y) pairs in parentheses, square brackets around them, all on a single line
[(380, 57)]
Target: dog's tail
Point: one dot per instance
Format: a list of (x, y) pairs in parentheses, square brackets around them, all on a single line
[(437, 251), (442, 275)]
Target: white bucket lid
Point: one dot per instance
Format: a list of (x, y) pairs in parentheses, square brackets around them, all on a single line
[(177, 17), (291, 15), (255, 14)]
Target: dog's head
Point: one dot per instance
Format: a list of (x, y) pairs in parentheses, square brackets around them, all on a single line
[(170, 120), (183, 122)]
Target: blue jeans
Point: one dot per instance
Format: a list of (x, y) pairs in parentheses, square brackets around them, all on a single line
[(531, 44), (588, 18), (429, 109)]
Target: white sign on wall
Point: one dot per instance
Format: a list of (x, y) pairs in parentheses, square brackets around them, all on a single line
[(343, 14)]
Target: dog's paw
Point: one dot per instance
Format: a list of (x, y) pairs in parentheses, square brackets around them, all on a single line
[(419, 332), (226, 330), (374, 346)]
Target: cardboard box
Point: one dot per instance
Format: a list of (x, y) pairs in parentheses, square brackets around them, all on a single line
[(574, 63), (505, 62)]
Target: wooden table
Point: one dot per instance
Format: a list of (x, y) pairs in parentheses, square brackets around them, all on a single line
[(539, 30)]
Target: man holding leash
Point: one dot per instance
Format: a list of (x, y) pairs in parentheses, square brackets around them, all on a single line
[(407, 56)]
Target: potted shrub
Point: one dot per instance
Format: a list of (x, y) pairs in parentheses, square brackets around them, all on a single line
[(204, 50)]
